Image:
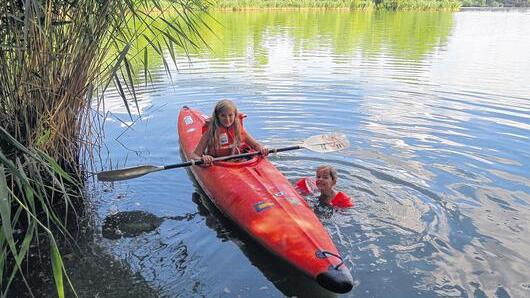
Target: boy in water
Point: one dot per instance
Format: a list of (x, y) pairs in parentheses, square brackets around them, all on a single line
[(325, 181)]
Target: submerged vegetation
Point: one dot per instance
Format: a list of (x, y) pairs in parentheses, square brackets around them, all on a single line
[(57, 58)]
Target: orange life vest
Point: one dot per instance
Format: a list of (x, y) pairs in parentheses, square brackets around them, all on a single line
[(307, 186), (341, 200), (227, 138)]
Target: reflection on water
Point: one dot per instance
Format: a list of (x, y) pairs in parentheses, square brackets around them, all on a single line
[(435, 106)]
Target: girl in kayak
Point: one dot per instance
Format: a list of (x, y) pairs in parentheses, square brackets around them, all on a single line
[(325, 181), (224, 135)]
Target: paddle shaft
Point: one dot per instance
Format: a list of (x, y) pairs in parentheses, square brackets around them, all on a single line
[(320, 143), (223, 158)]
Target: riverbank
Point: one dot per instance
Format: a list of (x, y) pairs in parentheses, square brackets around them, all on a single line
[(338, 4), (90, 268), (489, 8)]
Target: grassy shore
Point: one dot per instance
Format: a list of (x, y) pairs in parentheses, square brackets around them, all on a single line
[(57, 59), (339, 4)]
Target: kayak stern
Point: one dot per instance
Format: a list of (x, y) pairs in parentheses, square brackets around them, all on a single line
[(336, 280)]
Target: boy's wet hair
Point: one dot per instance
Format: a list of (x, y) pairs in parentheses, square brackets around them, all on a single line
[(330, 169)]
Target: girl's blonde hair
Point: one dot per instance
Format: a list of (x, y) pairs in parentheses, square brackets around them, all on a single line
[(330, 169), (213, 137)]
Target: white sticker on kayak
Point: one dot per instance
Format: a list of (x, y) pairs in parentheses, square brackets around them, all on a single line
[(188, 120), (191, 130)]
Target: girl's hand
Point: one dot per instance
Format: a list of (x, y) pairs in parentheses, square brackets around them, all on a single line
[(208, 160), (264, 151)]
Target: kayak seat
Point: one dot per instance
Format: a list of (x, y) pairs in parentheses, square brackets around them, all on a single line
[(239, 164)]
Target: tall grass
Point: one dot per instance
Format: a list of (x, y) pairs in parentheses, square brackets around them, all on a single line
[(249, 4), (419, 4), (57, 58), (32, 184), (345, 4)]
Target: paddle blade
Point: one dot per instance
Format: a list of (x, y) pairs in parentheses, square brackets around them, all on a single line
[(327, 143), (129, 173)]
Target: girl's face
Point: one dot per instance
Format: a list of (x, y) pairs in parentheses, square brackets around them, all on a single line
[(324, 180), (226, 117)]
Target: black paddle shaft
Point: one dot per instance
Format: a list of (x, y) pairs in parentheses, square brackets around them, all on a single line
[(243, 155)]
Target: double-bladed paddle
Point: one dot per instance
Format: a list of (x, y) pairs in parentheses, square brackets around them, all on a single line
[(319, 143)]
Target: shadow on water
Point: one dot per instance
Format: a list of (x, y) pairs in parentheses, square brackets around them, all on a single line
[(135, 223), (286, 278), (289, 280), (95, 273)]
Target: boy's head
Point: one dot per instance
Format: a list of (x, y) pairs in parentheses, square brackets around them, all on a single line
[(326, 177)]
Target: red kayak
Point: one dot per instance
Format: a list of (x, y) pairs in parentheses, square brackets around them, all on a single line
[(256, 196)]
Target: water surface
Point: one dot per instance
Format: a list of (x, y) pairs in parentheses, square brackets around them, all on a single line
[(436, 107)]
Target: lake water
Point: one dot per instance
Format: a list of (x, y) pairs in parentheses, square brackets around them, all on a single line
[(436, 107)]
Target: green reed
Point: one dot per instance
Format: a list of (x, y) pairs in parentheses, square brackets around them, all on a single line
[(249, 4), (57, 58), (30, 187), (340, 4)]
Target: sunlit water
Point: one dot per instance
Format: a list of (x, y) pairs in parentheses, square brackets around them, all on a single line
[(436, 107)]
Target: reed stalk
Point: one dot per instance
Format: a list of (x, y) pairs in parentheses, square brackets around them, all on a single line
[(57, 58)]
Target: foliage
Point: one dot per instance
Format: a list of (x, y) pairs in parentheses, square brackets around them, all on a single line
[(368, 4), (243, 4), (57, 58), (31, 186), (419, 4), (347, 4)]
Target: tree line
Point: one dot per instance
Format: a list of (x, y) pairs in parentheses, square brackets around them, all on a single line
[(367, 4)]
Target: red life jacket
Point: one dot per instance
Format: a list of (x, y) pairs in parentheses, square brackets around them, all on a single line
[(341, 200), (227, 139), (307, 186)]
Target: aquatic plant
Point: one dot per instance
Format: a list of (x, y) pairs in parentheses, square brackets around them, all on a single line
[(57, 58)]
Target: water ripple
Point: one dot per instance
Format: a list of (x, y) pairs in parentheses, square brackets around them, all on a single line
[(438, 163)]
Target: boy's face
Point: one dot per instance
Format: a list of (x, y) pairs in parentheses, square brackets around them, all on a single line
[(226, 117), (324, 180)]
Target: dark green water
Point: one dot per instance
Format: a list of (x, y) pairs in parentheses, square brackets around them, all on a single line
[(436, 107)]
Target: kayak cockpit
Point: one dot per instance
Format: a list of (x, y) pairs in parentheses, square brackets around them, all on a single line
[(239, 163)]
